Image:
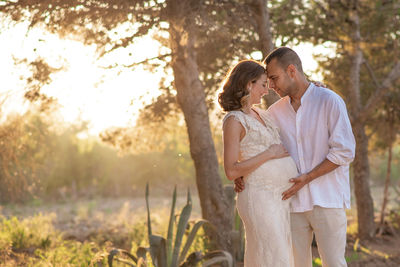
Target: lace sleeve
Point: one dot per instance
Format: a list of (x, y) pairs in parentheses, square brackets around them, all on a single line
[(239, 116)]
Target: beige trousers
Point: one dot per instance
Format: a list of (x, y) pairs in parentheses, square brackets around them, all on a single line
[(329, 227)]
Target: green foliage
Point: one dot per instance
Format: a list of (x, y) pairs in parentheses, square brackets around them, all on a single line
[(31, 234), (239, 237), (44, 159), (316, 262), (379, 160), (385, 129), (168, 252), (35, 237), (69, 253), (228, 22), (394, 218), (23, 150), (353, 257)]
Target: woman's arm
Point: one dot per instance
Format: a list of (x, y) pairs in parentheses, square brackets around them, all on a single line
[(233, 133)]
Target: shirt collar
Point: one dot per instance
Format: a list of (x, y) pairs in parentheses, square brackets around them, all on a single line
[(305, 96), (307, 93)]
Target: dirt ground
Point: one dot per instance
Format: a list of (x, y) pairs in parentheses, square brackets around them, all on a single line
[(379, 252)]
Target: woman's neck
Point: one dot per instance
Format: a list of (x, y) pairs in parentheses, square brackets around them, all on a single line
[(247, 109)]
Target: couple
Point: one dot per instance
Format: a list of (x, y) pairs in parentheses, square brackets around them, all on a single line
[(293, 160)]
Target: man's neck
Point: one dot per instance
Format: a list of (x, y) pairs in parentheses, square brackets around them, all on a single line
[(301, 89)]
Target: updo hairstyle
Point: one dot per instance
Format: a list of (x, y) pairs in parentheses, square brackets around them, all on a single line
[(235, 94)]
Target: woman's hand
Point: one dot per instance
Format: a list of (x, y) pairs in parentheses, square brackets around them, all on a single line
[(277, 151)]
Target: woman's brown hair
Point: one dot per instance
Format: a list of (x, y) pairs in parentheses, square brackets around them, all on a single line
[(234, 93)]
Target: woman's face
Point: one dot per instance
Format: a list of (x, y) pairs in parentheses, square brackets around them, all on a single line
[(258, 89)]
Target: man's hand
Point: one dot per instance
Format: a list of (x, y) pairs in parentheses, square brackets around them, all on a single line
[(298, 183), (319, 84), (239, 184)]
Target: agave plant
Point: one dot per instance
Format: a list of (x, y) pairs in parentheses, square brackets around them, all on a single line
[(168, 252)]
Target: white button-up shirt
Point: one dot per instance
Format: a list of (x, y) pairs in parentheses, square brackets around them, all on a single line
[(319, 130)]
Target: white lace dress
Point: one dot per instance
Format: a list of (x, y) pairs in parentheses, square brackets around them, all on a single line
[(265, 215)]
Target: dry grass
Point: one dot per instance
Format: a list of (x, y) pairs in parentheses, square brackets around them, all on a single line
[(92, 226)]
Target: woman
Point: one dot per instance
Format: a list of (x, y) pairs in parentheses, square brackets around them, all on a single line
[(253, 149)]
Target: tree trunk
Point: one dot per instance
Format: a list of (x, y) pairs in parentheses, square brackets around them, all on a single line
[(261, 14), (260, 11), (391, 138), (386, 190), (365, 206), (191, 98)]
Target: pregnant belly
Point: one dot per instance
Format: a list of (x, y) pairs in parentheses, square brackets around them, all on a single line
[(273, 173)]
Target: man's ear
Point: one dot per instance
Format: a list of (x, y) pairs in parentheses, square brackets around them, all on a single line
[(291, 70)]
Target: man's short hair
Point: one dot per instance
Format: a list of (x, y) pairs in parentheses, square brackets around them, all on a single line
[(284, 56)]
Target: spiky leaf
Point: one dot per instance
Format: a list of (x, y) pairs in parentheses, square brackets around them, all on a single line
[(113, 253), (148, 211), (141, 263), (171, 229), (141, 253), (158, 249), (189, 197), (182, 224), (192, 259), (126, 262), (149, 231), (214, 257), (190, 238)]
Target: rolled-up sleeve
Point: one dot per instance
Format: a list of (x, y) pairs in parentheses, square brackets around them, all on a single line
[(341, 139)]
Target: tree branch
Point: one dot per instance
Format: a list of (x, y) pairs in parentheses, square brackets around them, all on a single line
[(381, 89), (147, 60), (263, 26), (124, 42), (371, 73), (329, 13)]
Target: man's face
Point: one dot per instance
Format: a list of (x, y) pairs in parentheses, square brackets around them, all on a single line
[(278, 79)]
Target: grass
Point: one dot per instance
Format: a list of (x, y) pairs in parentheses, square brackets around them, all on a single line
[(316, 262), (352, 258), (79, 233), (35, 242)]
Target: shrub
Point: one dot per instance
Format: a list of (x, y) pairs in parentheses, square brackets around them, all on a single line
[(168, 252)]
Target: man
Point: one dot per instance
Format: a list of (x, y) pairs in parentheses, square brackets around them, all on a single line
[(316, 131)]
